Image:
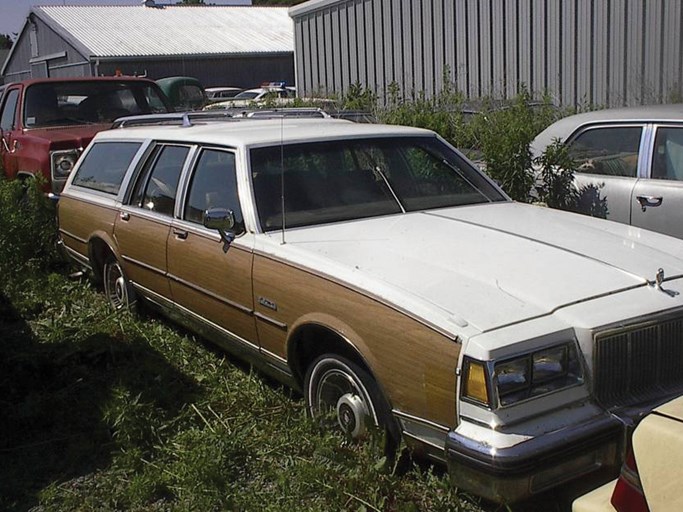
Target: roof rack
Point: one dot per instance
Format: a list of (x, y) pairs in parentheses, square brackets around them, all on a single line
[(186, 119)]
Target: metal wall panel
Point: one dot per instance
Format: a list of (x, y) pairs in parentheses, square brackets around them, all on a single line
[(599, 52)]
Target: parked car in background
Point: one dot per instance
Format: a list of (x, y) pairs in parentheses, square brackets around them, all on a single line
[(215, 94), (184, 92), (630, 160), (276, 92), (651, 476), (377, 270), (46, 123)]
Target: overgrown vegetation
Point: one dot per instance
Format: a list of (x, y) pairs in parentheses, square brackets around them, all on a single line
[(106, 411)]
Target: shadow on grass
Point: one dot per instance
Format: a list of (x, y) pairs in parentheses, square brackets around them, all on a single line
[(52, 402)]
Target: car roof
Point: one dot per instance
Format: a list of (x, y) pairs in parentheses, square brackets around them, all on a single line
[(251, 132), (563, 128)]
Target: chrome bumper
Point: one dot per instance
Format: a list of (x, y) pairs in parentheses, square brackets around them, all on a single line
[(510, 474)]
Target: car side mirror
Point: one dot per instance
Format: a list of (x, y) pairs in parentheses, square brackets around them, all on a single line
[(222, 220)]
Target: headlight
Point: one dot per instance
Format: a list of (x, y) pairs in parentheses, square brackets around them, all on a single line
[(63, 162), (537, 373)]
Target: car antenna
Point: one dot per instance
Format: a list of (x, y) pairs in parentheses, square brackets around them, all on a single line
[(282, 175)]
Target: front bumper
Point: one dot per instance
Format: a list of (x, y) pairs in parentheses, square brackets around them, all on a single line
[(509, 474)]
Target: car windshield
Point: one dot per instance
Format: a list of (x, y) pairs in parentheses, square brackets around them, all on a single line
[(77, 103), (341, 180), (246, 95)]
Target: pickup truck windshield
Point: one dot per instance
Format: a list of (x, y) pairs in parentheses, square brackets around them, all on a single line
[(78, 103), (352, 179)]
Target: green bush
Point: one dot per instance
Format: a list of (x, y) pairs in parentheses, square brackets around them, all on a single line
[(28, 231)]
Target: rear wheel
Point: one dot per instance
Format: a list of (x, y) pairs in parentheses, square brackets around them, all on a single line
[(338, 388), (117, 287)]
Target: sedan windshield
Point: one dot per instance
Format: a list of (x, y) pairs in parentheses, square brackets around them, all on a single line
[(341, 180)]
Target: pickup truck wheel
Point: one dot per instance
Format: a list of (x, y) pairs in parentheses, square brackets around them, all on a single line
[(339, 389), (117, 287)]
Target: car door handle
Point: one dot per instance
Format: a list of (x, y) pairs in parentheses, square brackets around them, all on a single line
[(180, 234), (125, 216), (650, 201)]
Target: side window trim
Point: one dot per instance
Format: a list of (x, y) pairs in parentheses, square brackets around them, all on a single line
[(145, 167), (186, 179)]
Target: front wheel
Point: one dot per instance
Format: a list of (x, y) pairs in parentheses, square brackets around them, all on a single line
[(340, 388), (117, 287)]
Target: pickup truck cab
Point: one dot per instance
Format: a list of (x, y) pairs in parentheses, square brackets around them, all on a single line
[(46, 123)]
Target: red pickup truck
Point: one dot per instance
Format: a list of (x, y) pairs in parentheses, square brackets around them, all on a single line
[(46, 123)]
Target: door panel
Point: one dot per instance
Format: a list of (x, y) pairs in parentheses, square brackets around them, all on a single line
[(142, 243), (205, 278), (211, 283), (658, 201), (143, 227)]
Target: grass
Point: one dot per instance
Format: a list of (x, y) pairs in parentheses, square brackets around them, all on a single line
[(106, 411)]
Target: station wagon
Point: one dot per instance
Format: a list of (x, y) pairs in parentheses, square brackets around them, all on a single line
[(376, 270)]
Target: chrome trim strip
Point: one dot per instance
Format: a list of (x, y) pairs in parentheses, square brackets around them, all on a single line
[(160, 298), (423, 421), (271, 321), (83, 260), (361, 291), (638, 322), (71, 235), (128, 259), (211, 294), (279, 359)]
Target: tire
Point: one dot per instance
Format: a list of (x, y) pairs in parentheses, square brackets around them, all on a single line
[(117, 287), (339, 388)]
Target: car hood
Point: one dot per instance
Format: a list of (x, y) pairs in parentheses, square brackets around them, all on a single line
[(81, 135), (484, 266)]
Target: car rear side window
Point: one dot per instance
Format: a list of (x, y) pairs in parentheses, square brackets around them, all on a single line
[(105, 165), (156, 187), (213, 185), (608, 151), (668, 155)]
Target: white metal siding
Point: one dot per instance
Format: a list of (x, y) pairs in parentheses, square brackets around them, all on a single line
[(603, 52)]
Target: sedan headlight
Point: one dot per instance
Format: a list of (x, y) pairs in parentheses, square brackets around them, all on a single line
[(63, 162), (500, 383), (537, 373)]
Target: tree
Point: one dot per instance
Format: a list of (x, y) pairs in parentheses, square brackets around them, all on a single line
[(5, 42)]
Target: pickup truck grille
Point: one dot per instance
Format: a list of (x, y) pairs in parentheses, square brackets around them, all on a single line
[(638, 363)]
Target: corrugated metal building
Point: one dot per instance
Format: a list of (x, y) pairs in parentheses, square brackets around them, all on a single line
[(219, 45), (600, 52)]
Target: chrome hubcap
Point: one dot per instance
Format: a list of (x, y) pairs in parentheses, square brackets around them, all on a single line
[(352, 415)]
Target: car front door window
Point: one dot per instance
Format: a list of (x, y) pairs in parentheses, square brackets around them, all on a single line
[(608, 151)]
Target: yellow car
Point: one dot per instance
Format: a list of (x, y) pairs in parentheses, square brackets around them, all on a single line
[(651, 476)]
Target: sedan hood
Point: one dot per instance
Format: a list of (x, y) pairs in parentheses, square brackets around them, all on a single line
[(485, 266)]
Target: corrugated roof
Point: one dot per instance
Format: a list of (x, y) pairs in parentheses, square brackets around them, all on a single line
[(170, 30)]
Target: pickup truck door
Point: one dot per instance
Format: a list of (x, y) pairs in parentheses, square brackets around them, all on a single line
[(9, 125), (143, 225), (658, 197), (209, 283)]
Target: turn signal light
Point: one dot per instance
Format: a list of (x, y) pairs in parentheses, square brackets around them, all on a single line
[(474, 386)]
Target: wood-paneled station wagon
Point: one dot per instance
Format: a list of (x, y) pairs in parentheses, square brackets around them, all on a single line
[(374, 268)]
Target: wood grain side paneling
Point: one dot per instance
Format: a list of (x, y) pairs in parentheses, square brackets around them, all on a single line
[(413, 364)]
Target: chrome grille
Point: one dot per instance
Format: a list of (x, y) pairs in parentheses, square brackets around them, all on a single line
[(639, 363)]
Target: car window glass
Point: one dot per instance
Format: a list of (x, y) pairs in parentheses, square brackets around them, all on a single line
[(609, 151), (668, 154), (351, 179), (213, 185), (9, 109), (156, 187), (105, 165)]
